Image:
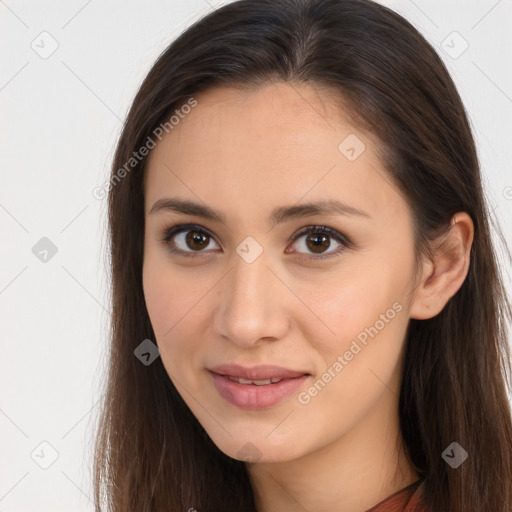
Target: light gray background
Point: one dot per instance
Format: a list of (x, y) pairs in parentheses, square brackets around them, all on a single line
[(61, 116)]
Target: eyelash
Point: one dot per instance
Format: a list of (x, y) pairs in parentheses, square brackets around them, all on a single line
[(325, 230)]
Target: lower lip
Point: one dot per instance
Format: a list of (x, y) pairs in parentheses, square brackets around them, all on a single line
[(250, 396)]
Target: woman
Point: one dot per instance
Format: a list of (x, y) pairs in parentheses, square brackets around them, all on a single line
[(298, 224)]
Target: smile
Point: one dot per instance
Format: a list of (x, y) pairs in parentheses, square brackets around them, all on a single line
[(263, 382), (255, 394)]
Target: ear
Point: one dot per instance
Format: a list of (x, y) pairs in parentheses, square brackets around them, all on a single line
[(442, 278)]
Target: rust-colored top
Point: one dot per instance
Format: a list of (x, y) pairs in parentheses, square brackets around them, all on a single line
[(405, 500)]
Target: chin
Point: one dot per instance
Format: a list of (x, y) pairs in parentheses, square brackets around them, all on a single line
[(258, 450)]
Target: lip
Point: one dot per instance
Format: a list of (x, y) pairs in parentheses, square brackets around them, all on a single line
[(257, 372), (252, 396)]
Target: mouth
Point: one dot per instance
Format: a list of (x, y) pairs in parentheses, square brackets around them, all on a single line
[(263, 382), (257, 393), (257, 373)]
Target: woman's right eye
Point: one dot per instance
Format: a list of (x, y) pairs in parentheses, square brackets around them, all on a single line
[(188, 240)]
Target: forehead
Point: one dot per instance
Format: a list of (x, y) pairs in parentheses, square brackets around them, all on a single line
[(232, 113), (273, 145)]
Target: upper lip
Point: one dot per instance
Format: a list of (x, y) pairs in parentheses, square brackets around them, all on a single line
[(262, 372)]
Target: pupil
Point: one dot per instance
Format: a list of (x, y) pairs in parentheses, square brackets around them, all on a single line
[(196, 238), (317, 241)]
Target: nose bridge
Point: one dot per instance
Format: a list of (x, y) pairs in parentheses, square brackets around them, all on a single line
[(249, 307)]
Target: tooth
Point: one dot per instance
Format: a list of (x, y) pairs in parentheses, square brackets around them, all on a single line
[(261, 382), (264, 382)]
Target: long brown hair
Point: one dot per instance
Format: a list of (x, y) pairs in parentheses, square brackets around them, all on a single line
[(151, 454)]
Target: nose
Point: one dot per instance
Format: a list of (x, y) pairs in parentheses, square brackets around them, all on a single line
[(252, 304)]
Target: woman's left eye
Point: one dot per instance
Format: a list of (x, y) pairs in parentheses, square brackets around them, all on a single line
[(191, 240), (317, 239)]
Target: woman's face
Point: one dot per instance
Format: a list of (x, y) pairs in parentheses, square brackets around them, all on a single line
[(252, 286)]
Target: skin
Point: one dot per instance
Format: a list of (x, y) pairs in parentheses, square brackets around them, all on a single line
[(244, 153)]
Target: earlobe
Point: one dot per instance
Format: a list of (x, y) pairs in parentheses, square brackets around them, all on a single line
[(443, 277)]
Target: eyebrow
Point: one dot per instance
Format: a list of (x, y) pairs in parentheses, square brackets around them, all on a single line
[(278, 215)]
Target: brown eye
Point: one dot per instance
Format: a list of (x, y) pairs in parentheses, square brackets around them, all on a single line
[(188, 240), (318, 243), (320, 240), (313, 242), (196, 240)]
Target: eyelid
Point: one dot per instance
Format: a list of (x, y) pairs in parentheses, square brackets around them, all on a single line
[(322, 229), (177, 229), (345, 242)]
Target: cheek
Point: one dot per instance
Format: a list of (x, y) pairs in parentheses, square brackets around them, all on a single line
[(174, 305), (360, 361), (361, 313), (348, 300)]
